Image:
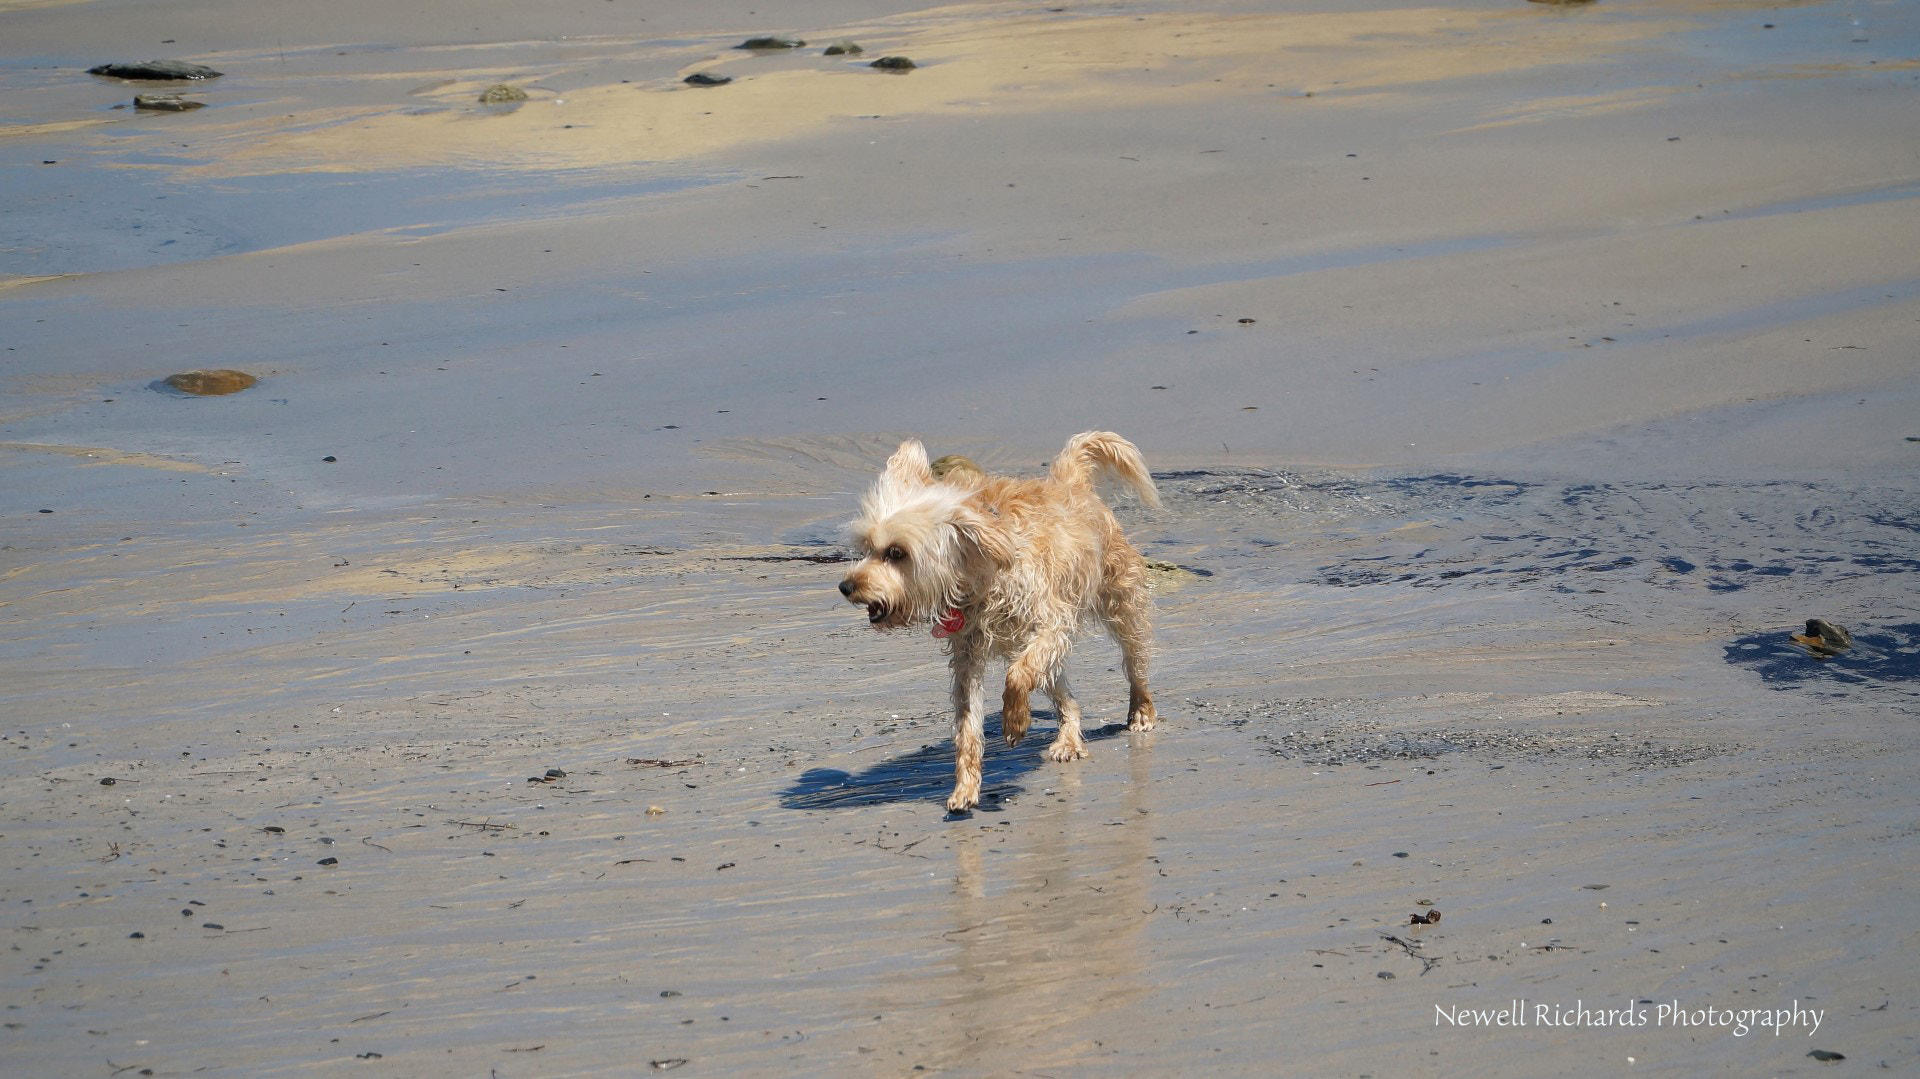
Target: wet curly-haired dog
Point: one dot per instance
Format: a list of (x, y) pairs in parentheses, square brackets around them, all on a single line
[(1011, 568)]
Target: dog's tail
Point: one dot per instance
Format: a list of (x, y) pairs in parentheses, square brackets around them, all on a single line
[(1102, 452)]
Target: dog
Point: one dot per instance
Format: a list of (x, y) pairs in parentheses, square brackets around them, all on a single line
[(1009, 568)]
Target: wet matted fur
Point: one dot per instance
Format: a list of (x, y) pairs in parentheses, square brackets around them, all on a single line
[(1010, 568)]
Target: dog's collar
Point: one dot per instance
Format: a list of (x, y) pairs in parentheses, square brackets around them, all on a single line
[(950, 623)]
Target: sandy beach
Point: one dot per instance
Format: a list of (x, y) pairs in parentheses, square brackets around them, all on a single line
[(470, 696)]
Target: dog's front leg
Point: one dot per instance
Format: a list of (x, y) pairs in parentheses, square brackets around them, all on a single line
[(969, 735)]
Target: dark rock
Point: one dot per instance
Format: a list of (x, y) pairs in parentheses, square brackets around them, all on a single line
[(894, 63), (1824, 639), (108, 781), (328, 861), (155, 70), (1825, 1055), (844, 48), (210, 383), (707, 78), (771, 42), (166, 103)]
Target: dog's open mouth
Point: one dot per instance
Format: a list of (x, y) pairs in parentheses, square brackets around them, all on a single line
[(876, 612)]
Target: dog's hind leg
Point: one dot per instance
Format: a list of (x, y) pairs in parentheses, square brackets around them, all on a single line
[(1067, 744), (1037, 665), (969, 737), (1128, 613)]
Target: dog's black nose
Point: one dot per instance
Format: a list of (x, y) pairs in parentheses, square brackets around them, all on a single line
[(846, 589)]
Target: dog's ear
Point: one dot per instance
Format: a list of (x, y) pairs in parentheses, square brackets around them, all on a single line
[(985, 542), (909, 466)]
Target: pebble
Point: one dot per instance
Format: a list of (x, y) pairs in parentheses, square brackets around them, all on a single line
[(771, 42), (707, 78), (894, 63), (166, 103), (844, 48)]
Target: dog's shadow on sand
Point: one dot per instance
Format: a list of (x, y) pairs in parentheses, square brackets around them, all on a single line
[(926, 774)]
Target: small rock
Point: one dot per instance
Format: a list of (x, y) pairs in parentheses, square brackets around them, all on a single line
[(166, 103), (330, 459), (136, 935), (894, 63), (212, 925), (955, 462), (155, 70), (1385, 975), (502, 94), (1825, 1055), (707, 78), (771, 42), (210, 383), (108, 781), (844, 48), (655, 811), (328, 861)]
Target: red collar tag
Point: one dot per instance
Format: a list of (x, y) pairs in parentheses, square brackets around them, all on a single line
[(950, 623)]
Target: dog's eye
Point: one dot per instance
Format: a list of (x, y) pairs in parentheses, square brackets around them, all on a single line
[(896, 553)]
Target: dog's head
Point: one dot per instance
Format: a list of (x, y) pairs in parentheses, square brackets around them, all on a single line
[(923, 548)]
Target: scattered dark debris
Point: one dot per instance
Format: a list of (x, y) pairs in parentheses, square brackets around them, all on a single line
[(482, 825), (652, 762), (823, 558), (1431, 917)]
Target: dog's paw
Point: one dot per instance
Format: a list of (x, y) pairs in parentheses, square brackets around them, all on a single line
[(962, 801), (1141, 719), (1066, 751), (1014, 726)]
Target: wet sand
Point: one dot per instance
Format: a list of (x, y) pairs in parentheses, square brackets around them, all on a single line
[(1518, 378)]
